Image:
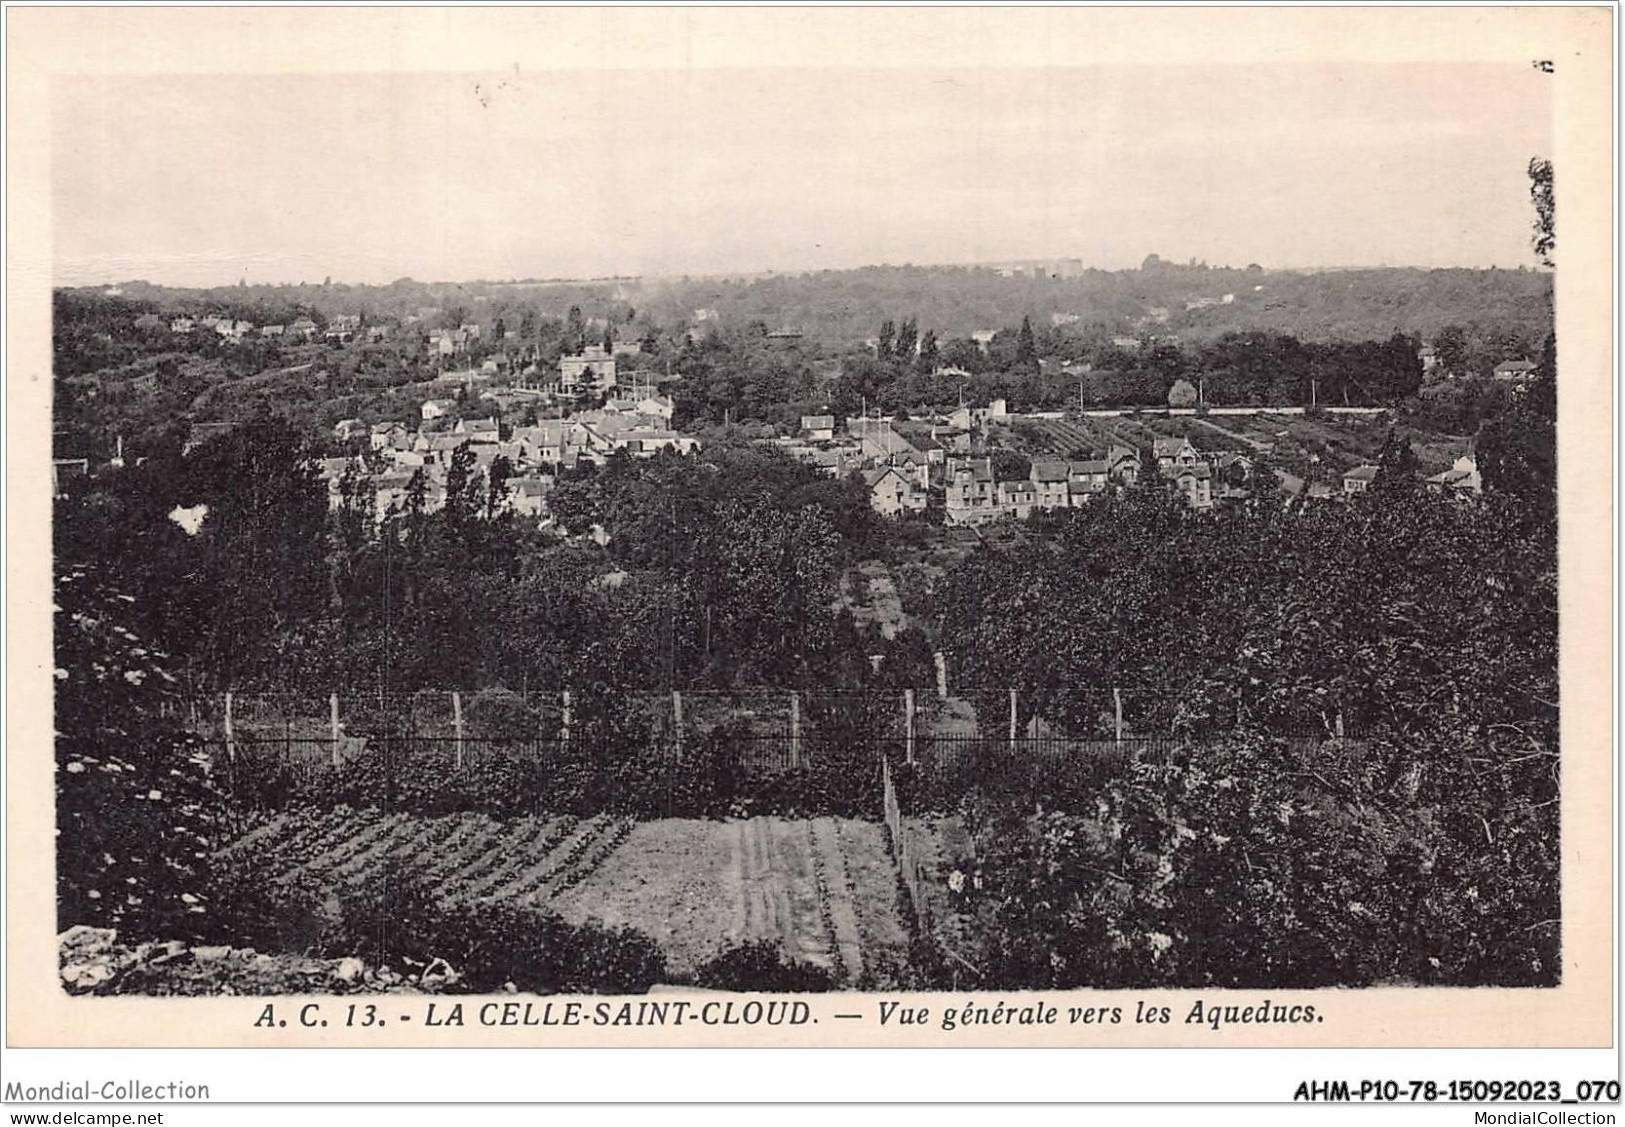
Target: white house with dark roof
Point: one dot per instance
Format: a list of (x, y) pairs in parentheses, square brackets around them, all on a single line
[(818, 428), (1174, 454), (1461, 479), (972, 496), (1018, 498), (1050, 477), (528, 495), (892, 493), (477, 430), (1196, 483), (657, 407), (1359, 479), (1087, 478), (1123, 464), (388, 435)]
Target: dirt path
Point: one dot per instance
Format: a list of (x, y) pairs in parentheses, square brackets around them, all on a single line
[(698, 888), (802, 930)]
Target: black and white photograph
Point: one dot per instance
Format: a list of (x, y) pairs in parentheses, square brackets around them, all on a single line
[(779, 531)]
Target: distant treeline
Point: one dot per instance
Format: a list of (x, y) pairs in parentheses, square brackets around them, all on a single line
[(1236, 369), (838, 307)]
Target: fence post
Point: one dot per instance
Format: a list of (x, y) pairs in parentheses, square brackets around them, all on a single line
[(1340, 725), (1117, 707), (457, 719), (231, 742), (677, 717), (941, 660), (564, 730), (908, 726), (333, 712), (1012, 719), (795, 730)]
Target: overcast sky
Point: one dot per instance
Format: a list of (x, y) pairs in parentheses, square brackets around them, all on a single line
[(193, 181)]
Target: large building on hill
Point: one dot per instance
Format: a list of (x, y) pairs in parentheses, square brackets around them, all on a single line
[(592, 369)]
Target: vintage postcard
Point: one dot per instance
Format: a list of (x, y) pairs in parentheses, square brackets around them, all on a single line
[(687, 528)]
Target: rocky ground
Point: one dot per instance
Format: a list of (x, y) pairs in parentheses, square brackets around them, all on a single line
[(93, 961)]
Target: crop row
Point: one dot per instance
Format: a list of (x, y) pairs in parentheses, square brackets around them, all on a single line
[(539, 883), (536, 839), (417, 840), (826, 911), (864, 939), (606, 845), (467, 858)]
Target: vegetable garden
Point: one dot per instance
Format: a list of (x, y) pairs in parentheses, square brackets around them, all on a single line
[(821, 891)]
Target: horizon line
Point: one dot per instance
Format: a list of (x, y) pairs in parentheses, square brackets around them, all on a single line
[(769, 272)]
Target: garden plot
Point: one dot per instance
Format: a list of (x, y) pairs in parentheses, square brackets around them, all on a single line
[(1067, 438), (823, 890)]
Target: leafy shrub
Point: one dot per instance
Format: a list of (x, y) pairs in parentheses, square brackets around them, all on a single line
[(248, 908), (761, 966), (622, 770), (398, 920), (494, 712), (136, 808), (1242, 864)]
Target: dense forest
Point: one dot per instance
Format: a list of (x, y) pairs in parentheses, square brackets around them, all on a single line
[(838, 307)]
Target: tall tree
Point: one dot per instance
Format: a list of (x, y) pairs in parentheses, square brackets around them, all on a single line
[(1026, 346), (1397, 467), (908, 334), (575, 330), (1517, 448), (258, 567), (929, 355), (1450, 344), (1545, 199), (496, 492)]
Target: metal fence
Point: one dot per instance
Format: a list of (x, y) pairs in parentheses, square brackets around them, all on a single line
[(756, 752), (943, 757)]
